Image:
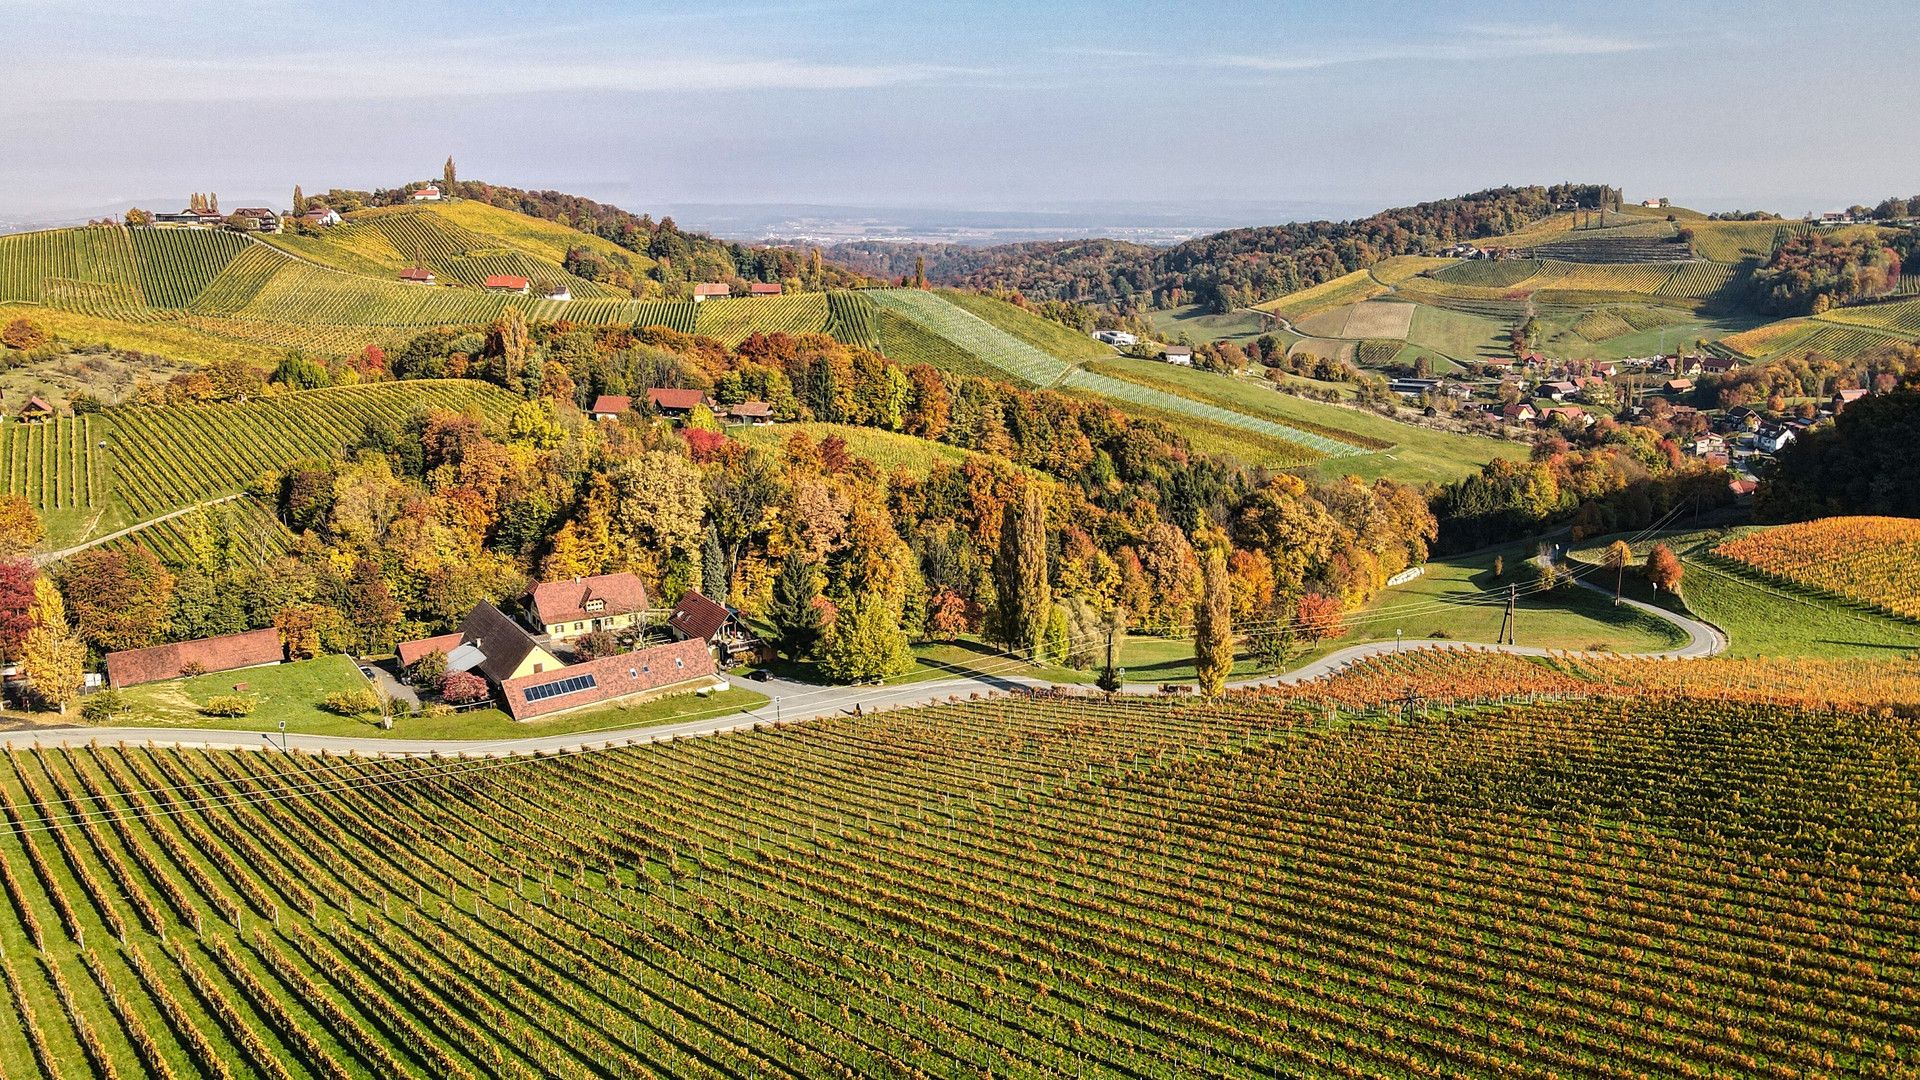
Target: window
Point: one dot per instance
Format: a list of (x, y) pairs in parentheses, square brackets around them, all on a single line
[(646, 667), (596, 605), (538, 668), (560, 686), (677, 662), (579, 626), (632, 674)]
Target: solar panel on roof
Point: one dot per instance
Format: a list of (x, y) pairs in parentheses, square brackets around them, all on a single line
[(572, 685)]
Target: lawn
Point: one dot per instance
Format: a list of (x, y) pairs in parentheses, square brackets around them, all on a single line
[(1210, 437), (1672, 337), (884, 448), (1461, 599), (1200, 327), (1418, 453), (1458, 335), (292, 693), (1762, 619)]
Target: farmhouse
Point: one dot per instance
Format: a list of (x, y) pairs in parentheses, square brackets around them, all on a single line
[(1679, 386), (1558, 391), (1180, 355), (757, 413), (507, 283), (610, 406), (229, 652), (682, 665), (696, 618), (417, 273), (1519, 413), (430, 193), (708, 290), (566, 610), (675, 402), (260, 218), (320, 215), (556, 292), (764, 288), (1845, 398), (1719, 364)]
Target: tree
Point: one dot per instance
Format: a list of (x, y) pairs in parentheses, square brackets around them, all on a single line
[(23, 334), (1619, 555), (447, 177), (16, 605), (713, 568), (461, 687), (1319, 616), (52, 654), (119, 599), (511, 344), (1116, 628), (596, 645), (1213, 626), (866, 643), (20, 527), (430, 670), (137, 218), (1022, 594), (299, 201), (300, 373), (1663, 569), (798, 622), (919, 271)]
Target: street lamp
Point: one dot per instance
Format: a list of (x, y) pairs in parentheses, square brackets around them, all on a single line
[(1396, 641)]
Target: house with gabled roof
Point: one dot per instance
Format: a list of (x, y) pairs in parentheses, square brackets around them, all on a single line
[(711, 290), (675, 402), (228, 652), (765, 288), (683, 666), (565, 610), (507, 283), (610, 406), (419, 274)]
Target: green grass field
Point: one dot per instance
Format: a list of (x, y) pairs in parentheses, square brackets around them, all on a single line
[(1414, 454), (1043, 334), (1201, 327), (293, 693), (1459, 335)]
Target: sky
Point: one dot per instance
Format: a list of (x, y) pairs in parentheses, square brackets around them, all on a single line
[(1253, 108)]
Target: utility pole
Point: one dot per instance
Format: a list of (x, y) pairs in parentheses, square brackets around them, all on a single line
[(1508, 621)]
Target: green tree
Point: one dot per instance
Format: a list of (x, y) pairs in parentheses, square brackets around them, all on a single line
[(1022, 594), (866, 643), (300, 373), (713, 568), (1058, 638), (797, 620), (299, 201), (1213, 626), (446, 177)]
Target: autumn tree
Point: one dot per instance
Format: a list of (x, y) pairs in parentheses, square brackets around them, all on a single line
[(1320, 616), (1663, 568), (52, 654), (23, 333), (446, 177), (1213, 626), (16, 605), (20, 527), (299, 201), (118, 599), (866, 643), (797, 620), (1619, 556), (1022, 594)]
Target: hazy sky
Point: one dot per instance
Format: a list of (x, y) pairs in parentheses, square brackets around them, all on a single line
[(1029, 104)]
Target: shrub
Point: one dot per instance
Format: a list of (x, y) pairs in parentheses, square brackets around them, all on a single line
[(434, 709), (356, 702), (102, 706), (596, 645), (461, 687), (230, 705), (191, 668), (23, 334), (430, 669)]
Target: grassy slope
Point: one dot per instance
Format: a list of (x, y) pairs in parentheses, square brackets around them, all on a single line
[(1043, 334), (293, 693), (1201, 327), (1458, 335), (883, 448), (547, 239), (1346, 289), (1419, 454), (164, 338)]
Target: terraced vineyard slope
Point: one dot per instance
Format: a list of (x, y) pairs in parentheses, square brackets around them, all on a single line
[(1044, 887), (1874, 561), (972, 334)]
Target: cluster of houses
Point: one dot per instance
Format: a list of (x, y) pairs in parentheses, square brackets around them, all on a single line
[(679, 404), (530, 663), (720, 290)]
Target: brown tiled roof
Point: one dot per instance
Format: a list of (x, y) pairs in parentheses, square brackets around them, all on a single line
[(225, 653), (613, 677), (766, 288), (505, 643), (412, 651), (713, 288), (36, 404), (416, 273), (611, 403), (666, 398), (697, 617), (751, 409), (566, 601)]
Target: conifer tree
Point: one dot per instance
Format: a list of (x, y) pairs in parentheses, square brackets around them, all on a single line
[(1023, 598), (299, 201), (446, 177), (713, 568), (1213, 626), (796, 618)]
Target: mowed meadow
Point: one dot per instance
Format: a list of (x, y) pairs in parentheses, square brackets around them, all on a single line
[(1340, 880)]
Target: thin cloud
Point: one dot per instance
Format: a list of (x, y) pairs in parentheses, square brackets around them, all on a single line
[(1476, 43)]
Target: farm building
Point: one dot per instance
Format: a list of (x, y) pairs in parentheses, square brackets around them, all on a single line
[(757, 413), (696, 618), (1179, 355), (1845, 398), (685, 666), (412, 652), (675, 402), (1679, 386), (430, 193), (417, 273), (566, 610), (1119, 339), (765, 288), (610, 406), (507, 283), (35, 410), (1558, 390), (320, 215), (711, 290), (229, 652), (556, 292), (488, 642), (261, 218)]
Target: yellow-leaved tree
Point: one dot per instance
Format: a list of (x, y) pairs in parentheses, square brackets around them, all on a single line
[(52, 654)]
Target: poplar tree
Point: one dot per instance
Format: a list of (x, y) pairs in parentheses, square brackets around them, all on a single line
[(1023, 598), (299, 201), (52, 654), (1213, 626), (446, 177)]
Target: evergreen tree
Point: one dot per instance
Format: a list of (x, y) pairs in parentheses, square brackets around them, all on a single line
[(919, 271), (713, 569), (1213, 626), (796, 618), (866, 643), (1022, 596)]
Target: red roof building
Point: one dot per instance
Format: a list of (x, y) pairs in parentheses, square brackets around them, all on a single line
[(1845, 398), (1742, 487), (609, 406), (751, 412), (707, 290), (229, 652), (669, 400), (411, 652), (507, 283), (583, 605), (697, 617), (684, 664), (417, 273), (765, 288)]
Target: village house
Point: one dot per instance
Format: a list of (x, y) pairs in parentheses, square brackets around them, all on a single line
[(1773, 438), (1679, 386), (1844, 398), (1718, 365), (507, 283), (1179, 355), (672, 402), (1119, 339), (1558, 390), (1742, 418), (260, 218), (1576, 417), (228, 652), (610, 406), (1519, 413), (565, 610), (697, 618), (765, 288), (430, 193), (757, 413), (1708, 444), (1742, 487), (556, 292), (320, 215), (711, 290), (419, 274)]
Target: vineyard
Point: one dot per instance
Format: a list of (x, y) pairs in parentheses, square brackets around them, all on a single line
[(732, 321), (1347, 289), (237, 532), (55, 463), (1122, 390), (1342, 881), (1043, 334), (973, 335), (1872, 561), (169, 457)]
